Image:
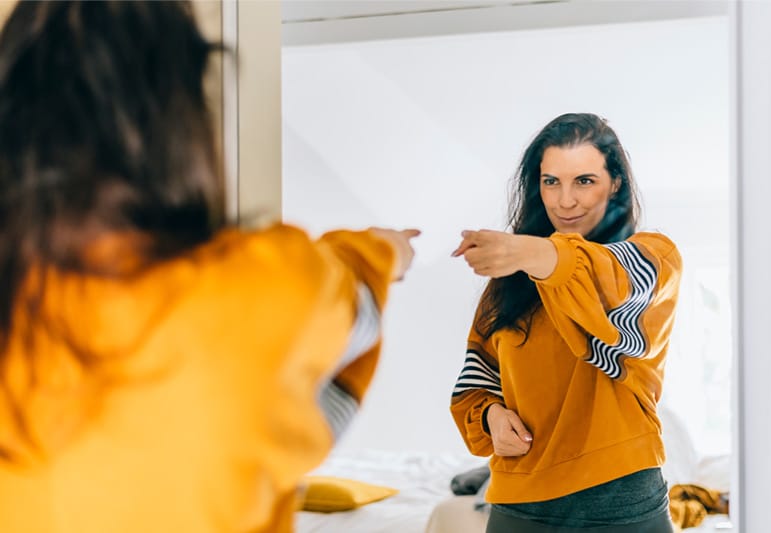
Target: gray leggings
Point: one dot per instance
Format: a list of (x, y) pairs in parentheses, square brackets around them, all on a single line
[(501, 522)]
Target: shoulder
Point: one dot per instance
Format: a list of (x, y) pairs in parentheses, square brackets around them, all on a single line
[(657, 243), (654, 239), (275, 240), (275, 245), (658, 248), (279, 257)]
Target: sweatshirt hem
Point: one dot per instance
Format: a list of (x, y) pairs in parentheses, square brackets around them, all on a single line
[(585, 471)]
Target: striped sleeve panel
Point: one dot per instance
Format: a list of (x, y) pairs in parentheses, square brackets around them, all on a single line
[(480, 371), (366, 330), (338, 405), (626, 317)]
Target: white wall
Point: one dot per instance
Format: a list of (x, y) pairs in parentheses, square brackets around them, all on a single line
[(426, 132)]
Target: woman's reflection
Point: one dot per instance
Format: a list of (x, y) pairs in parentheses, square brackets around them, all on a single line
[(566, 354)]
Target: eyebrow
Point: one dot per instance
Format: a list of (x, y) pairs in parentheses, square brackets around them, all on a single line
[(587, 175)]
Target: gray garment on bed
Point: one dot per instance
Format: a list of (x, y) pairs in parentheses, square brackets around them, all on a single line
[(634, 498), (471, 481)]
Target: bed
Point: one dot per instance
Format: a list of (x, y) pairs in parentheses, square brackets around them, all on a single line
[(425, 503), (422, 478)]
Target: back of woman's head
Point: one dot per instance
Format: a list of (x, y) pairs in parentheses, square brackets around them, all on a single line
[(103, 130), (527, 212)]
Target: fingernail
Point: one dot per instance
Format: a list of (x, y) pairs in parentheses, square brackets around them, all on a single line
[(528, 438)]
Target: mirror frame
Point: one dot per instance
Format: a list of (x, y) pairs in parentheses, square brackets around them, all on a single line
[(751, 161), (750, 141)]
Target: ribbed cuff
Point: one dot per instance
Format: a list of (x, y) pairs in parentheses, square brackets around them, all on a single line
[(566, 260)]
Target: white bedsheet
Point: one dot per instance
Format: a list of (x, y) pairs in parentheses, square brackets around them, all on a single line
[(422, 478)]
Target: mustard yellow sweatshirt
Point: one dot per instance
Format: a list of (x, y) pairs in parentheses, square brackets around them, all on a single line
[(587, 381), (218, 379)]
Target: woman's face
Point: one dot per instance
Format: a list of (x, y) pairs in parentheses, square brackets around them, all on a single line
[(575, 187)]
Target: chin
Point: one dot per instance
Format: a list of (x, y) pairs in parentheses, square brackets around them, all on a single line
[(569, 229)]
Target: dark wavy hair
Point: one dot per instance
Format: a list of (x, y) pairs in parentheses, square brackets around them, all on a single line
[(509, 302), (104, 129)]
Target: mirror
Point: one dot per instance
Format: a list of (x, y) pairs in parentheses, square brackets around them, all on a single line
[(390, 122)]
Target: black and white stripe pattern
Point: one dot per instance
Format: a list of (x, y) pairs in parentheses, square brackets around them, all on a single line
[(626, 317), (338, 406), (477, 374), (366, 330)]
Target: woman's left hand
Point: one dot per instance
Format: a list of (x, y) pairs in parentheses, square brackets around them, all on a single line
[(497, 254)]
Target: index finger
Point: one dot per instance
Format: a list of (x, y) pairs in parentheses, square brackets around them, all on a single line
[(464, 246), (519, 428), (410, 232)]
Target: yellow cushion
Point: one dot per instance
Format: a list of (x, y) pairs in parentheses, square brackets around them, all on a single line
[(327, 494)]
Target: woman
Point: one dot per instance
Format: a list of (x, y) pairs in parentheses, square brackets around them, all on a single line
[(565, 358), (160, 371)]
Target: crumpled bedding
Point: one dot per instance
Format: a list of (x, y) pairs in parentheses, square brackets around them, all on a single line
[(690, 504), (422, 478)]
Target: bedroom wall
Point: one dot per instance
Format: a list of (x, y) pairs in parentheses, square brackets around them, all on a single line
[(426, 131)]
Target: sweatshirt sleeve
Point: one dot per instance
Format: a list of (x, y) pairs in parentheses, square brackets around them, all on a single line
[(316, 308), (372, 263), (478, 387), (614, 304)]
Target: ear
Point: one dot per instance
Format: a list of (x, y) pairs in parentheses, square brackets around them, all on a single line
[(615, 186)]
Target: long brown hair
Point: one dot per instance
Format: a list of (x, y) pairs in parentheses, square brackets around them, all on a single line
[(510, 302), (104, 130)]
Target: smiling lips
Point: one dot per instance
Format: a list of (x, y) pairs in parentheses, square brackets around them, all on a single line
[(570, 220)]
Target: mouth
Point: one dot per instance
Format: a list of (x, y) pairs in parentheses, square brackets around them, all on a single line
[(570, 220)]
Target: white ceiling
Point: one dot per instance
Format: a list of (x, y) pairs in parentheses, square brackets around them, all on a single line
[(311, 22), (307, 10)]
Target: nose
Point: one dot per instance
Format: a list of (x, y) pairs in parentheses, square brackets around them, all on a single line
[(567, 198)]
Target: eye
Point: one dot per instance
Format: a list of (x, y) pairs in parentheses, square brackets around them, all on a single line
[(585, 181), (549, 181)]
